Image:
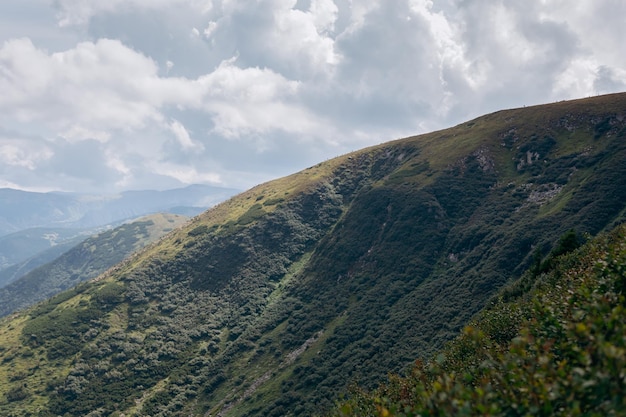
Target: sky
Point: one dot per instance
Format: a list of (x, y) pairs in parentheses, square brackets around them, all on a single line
[(106, 96)]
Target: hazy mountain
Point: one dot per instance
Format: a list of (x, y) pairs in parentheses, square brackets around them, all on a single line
[(86, 260), (41, 226), (21, 210), (18, 247), (275, 301), (40, 257)]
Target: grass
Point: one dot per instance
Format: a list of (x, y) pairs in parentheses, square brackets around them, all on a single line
[(23, 362), (136, 409)]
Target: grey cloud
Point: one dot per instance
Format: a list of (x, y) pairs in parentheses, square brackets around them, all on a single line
[(514, 48), (83, 160), (36, 163), (608, 81), (270, 34), (163, 39), (389, 77)]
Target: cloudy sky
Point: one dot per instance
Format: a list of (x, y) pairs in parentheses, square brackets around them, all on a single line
[(104, 96)]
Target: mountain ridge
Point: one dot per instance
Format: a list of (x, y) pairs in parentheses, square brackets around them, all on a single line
[(273, 301)]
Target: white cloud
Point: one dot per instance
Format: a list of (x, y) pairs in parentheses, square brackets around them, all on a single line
[(324, 13), (260, 87), (209, 29), (186, 174), (297, 43), (17, 153), (577, 79), (304, 36), (93, 89), (115, 162), (108, 93), (97, 85), (78, 133), (182, 136), (23, 74), (252, 100)]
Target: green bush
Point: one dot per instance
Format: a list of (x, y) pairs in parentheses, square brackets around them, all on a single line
[(253, 213), (200, 230)]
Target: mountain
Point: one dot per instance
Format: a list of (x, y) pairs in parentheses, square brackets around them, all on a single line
[(16, 271), (21, 210), (274, 302), (86, 260), (35, 228), (552, 344), (19, 247)]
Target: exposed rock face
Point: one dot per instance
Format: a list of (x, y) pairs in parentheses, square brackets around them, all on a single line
[(484, 158), (544, 193), (528, 159)]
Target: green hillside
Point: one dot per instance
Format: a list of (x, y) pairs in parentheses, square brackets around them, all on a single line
[(552, 344), (86, 260), (275, 301)]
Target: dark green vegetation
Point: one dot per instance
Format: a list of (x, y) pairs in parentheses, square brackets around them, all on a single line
[(552, 344), (86, 260), (273, 302)]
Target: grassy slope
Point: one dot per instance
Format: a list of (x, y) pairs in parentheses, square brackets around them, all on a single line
[(274, 301)]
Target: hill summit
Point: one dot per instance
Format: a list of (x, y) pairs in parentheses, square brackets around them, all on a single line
[(275, 301)]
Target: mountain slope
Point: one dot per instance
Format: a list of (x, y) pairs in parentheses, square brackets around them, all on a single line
[(273, 302), (86, 260), (551, 345)]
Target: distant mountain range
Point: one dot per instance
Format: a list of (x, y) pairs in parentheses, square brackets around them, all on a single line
[(35, 228), (20, 210), (85, 260), (25, 250)]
